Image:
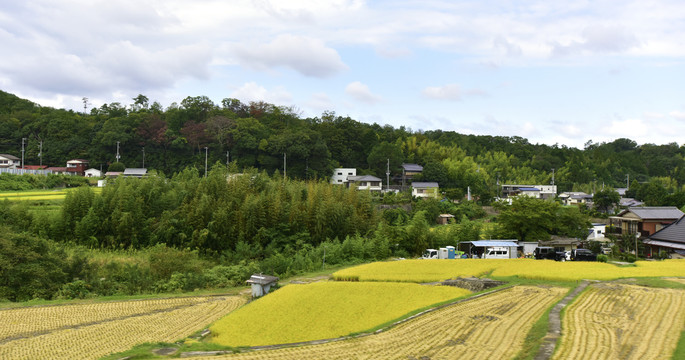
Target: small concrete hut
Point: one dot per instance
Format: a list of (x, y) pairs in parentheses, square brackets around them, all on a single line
[(261, 284)]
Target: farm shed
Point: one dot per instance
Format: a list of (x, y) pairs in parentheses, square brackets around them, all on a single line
[(261, 284), (481, 246)]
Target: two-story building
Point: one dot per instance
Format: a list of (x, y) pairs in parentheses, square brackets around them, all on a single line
[(425, 189), (8, 161), (537, 191), (77, 166), (645, 221), (340, 175)]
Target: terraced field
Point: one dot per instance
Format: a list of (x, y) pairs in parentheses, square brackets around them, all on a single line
[(91, 331), (489, 327), (615, 321)]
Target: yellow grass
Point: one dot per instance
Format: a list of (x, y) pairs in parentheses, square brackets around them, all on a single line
[(91, 331), (417, 270), (491, 327), (437, 270), (323, 310), (40, 194), (611, 321)]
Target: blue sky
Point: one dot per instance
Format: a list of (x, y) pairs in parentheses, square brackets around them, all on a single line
[(552, 72)]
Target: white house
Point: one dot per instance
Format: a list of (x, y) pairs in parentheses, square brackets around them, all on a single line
[(93, 173), (575, 198), (542, 192), (425, 189), (341, 175), (9, 161), (597, 232), (366, 182)]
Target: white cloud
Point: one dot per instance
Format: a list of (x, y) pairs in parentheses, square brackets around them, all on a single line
[(451, 92), (446, 92), (677, 115), (361, 92), (306, 55), (598, 39), (252, 92), (320, 102)]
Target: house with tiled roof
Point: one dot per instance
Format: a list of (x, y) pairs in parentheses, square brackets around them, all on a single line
[(670, 239), (646, 220)]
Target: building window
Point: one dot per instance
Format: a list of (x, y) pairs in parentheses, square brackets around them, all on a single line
[(339, 173), (347, 174), (339, 180)]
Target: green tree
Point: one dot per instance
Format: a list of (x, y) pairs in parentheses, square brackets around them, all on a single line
[(528, 218), (379, 155), (606, 199)]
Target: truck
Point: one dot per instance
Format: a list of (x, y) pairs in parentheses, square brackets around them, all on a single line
[(500, 252), (447, 252), (430, 254)]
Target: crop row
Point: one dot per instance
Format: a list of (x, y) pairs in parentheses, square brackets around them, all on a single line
[(490, 327), (611, 321), (26, 321), (95, 340)]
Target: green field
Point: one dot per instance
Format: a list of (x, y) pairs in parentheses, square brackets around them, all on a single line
[(40, 201)]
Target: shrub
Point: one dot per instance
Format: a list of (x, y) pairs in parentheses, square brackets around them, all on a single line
[(602, 258)]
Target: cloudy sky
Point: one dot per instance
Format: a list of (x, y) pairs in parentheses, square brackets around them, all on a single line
[(551, 71)]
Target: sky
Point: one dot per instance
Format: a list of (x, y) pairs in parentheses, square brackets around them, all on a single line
[(553, 72)]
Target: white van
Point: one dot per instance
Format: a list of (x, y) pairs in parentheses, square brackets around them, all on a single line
[(498, 252)]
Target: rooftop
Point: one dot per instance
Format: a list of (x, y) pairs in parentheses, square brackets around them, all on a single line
[(419, 184), (655, 212), (412, 167)]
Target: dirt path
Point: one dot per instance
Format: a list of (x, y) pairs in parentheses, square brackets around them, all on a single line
[(554, 330)]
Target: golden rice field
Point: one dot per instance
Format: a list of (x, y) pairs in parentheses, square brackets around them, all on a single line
[(36, 195), (437, 270), (612, 321), (489, 327), (324, 310), (91, 331)]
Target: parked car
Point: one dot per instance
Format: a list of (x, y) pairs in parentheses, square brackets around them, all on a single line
[(583, 255), (548, 252)]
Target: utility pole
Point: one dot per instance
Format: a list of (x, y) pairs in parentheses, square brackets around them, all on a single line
[(206, 161), (40, 153), (552, 176), (143, 157), (85, 104), (306, 169), (284, 165), (22, 152), (227, 159), (387, 175), (627, 181), (118, 156)]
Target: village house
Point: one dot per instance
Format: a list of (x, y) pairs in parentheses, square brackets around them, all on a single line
[(537, 191), (645, 221), (77, 166), (670, 239), (425, 189), (340, 175), (575, 198), (366, 182), (8, 161), (95, 173)]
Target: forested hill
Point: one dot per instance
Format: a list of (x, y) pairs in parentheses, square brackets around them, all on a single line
[(257, 134)]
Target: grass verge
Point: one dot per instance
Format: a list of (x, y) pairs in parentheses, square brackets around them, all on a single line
[(679, 352)]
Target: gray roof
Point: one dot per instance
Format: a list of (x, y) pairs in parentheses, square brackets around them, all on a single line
[(655, 212), (135, 172), (418, 184), (9, 157), (412, 167), (262, 279), (485, 243), (674, 233), (363, 178), (630, 202)]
